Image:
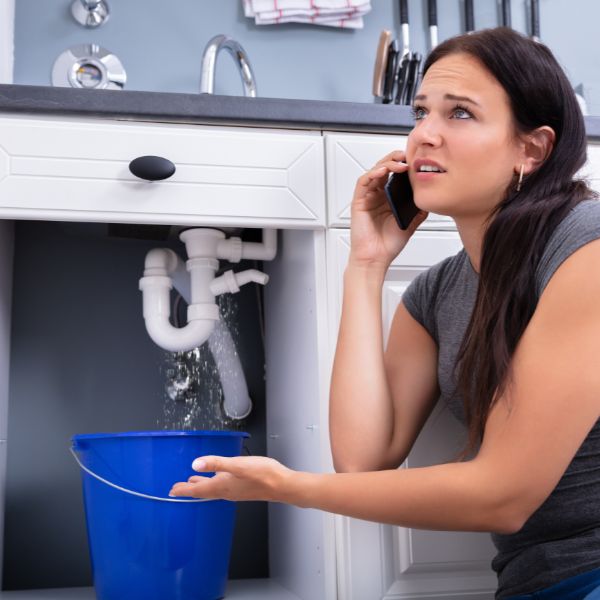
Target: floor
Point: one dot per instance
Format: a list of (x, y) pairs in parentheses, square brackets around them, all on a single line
[(246, 589)]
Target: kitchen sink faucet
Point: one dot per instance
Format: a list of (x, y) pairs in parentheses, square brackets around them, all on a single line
[(209, 61)]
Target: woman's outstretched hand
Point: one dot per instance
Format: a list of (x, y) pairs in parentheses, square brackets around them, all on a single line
[(237, 478), (375, 236)]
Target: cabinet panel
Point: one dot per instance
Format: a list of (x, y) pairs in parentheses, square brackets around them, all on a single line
[(591, 170), (386, 562), (78, 170), (348, 157)]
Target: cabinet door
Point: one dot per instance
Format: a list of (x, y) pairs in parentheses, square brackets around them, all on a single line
[(78, 169), (348, 157), (384, 562)]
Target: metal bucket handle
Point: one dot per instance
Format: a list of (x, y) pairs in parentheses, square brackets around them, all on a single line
[(122, 489)]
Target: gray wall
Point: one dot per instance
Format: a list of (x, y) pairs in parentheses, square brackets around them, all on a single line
[(82, 362), (161, 42)]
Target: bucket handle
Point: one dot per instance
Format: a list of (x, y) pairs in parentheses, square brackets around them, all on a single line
[(122, 489)]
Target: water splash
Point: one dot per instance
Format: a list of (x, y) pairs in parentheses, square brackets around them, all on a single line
[(193, 398)]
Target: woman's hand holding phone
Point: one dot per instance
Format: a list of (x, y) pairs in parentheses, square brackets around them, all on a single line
[(375, 237)]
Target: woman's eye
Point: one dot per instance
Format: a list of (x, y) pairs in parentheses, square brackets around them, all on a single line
[(461, 113), (418, 113)]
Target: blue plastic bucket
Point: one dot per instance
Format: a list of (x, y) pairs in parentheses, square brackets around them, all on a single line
[(143, 544)]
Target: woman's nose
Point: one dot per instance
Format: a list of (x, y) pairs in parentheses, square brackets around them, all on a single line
[(427, 132)]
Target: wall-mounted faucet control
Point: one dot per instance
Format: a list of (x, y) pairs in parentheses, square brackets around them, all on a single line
[(90, 13)]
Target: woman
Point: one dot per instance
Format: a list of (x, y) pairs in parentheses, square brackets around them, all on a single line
[(507, 332)]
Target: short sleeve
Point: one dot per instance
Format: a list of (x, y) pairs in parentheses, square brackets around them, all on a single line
[(578, 228), (420, 296), (414, 297)]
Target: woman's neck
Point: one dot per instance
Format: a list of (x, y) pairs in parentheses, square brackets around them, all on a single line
[(471, 231)]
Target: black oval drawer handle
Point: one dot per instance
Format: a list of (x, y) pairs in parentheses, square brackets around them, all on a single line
[(152, 168)]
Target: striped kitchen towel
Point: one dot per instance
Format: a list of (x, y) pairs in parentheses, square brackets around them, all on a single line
[(333, 13)]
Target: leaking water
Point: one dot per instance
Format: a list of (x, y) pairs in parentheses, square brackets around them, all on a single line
[(193, 398)]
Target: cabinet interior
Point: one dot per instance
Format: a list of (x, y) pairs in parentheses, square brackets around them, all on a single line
[(81, 362)]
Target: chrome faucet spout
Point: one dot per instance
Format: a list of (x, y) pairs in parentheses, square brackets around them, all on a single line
[(209, 61)]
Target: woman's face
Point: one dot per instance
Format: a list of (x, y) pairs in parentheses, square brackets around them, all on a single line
[(464, 125)]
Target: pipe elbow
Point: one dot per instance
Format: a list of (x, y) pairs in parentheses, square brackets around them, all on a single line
[(251, 275), (160, 261), (266, 250), (178, 339)]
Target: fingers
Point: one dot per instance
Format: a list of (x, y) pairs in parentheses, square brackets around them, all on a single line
[(213, 464), (396, 155), (199, 486), (192, 490), (377, 176)]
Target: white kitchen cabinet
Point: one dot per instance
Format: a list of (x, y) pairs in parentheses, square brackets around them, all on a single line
[(77, 170), (385, 562), (348, 156)]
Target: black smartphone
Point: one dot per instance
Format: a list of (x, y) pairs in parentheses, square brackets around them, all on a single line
[(399, 193)]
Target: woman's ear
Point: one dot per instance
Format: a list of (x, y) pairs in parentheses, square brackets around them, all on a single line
[(537, 146)]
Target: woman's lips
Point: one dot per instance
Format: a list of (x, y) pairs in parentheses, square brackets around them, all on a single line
[(426, 175)]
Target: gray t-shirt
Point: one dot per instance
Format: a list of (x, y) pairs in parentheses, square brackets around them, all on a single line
[(562, 538)]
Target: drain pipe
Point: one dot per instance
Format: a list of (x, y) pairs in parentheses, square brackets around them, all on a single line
[(236, 400), (196, 283), (156, 285)]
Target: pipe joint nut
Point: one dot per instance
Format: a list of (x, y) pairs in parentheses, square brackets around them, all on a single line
[(226, 283), (205, 311), (155, 281), (231, 249), (199, 263)]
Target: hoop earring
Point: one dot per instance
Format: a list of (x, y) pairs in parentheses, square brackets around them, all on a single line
[(520, 179)]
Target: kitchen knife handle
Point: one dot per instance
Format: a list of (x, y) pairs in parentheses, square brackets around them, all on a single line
[(381, 62), (413, 75), (402, 79), (535, 20), (403, 12), (469, 18), (390, 73), (506, 17), (432, 11)]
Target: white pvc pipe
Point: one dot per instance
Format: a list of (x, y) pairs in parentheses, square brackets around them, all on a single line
[(236, 401), (164, 261), (179, 339), (195, 281), (157, 311), (251, 275), (262, 251)]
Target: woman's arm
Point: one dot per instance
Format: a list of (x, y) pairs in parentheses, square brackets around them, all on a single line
[(532, 434), (361, 405)]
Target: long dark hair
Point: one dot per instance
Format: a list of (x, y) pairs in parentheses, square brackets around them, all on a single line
[(519, 228)]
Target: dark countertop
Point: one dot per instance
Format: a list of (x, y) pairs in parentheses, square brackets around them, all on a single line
[(211, 109)]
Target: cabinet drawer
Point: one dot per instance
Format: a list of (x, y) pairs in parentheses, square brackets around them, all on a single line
[(348, 157), (79, 170)]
